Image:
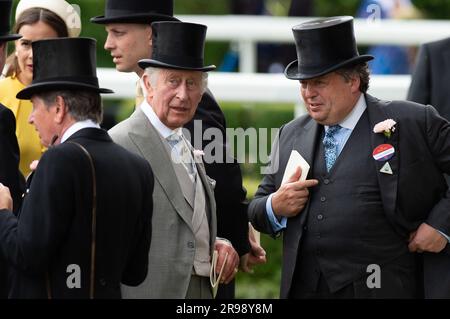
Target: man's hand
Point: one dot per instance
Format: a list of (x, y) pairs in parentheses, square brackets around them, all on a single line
[(291, 197), (231, 267), (256, 256), (5, 198), (426, 238)]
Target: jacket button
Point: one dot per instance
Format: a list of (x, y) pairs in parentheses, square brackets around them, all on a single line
[(326, 181), (320, 217), (305, 228), (190, 244), (323, 198), (102, 282)]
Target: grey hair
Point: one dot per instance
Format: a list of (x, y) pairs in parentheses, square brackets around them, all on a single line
[(153, 74), (82, 105), (360, 70)]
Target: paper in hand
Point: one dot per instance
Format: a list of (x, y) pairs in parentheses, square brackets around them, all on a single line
[(295, 160)]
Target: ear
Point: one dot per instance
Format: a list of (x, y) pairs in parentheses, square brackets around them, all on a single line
[(148, 87), (60, 110), (149, 34), (354, 83)]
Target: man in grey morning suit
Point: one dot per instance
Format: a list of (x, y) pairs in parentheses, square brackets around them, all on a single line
[(184, 221), (374, 198)]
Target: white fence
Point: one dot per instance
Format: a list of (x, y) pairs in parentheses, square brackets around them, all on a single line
[(247, 31), (253, 87)]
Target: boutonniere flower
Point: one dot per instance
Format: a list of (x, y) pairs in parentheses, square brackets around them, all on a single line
[(198, 153), (387, 127)]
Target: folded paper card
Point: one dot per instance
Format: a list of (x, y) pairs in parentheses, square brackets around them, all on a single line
[(215, 277), (295, 160)]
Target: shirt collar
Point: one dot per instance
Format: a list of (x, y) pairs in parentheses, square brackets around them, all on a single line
[(162, 129), (77, 127), (353, 117)]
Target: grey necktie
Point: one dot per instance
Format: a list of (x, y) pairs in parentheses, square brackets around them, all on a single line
[(182, 153)]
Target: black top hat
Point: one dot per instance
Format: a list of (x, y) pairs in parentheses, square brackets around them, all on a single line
[(324, 45), (136, 11), (5, 16), (63, 64), (177, 45)]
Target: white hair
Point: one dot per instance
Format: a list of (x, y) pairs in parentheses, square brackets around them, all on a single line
[(153, 74)]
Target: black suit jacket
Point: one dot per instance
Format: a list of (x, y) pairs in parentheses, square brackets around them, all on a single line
[(232, 220), (9, 174), (53, 231), (429, 84), (416, 192), (9, 156)]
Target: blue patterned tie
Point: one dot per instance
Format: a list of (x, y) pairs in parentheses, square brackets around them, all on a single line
[(331, 146)]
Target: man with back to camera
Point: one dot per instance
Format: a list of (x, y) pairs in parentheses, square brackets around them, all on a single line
[(85, 224)]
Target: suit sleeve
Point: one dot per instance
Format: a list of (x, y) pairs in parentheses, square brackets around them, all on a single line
[(438, 133), (9, 156), (44, 218), (420, 90), (137, 265), (257, 212)]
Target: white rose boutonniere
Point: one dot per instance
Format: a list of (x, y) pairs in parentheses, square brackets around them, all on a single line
[(387, 127), (198, 153)]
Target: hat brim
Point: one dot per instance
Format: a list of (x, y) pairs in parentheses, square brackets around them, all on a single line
[(292, 73), (143, 64), (33, 89), (10, 37), (141, 18)]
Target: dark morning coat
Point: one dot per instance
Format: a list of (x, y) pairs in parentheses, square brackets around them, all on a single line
[(416, 192), (53, 231), (9, 173), (429, 84)]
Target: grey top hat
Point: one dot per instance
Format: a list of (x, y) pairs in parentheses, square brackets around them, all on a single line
[(136, 11), (324, 45), (5, 16), (178, 45)]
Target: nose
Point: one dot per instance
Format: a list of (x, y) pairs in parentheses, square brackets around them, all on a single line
[(108, 43), (308, 91), (31, 118), (182, 92)]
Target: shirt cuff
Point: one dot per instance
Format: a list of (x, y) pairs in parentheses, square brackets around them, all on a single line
[(277, 226), (446, 236)]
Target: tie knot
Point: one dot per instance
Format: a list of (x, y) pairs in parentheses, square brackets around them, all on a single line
[(173, 139), (333, 129)]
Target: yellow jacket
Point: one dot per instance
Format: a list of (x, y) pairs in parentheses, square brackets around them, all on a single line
[(29, 143)]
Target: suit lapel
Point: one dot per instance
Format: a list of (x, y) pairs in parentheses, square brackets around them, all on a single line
[(305, 143), (210, 213), (151, 147), (379, 112)]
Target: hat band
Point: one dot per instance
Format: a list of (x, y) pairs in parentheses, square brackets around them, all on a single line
[(181, 61), (90, 80), (111, 13)]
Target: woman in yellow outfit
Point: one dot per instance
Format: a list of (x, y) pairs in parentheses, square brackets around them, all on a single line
[(35, 20)]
